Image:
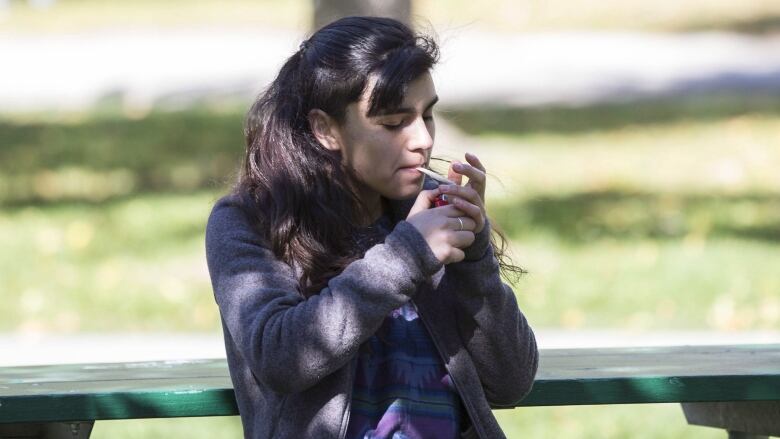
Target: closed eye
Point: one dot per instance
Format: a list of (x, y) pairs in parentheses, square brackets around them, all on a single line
[(394, 122), (392, 126)]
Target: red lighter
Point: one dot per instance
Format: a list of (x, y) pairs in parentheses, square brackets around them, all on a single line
[(440, 201)]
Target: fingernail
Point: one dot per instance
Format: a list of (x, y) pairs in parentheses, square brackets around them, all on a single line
[(457, 167)]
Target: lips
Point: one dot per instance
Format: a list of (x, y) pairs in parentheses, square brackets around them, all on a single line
[(419, 161), (409, 169), (412, 171)]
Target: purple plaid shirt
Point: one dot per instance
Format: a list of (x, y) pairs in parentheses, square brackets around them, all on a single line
[(402, 389)]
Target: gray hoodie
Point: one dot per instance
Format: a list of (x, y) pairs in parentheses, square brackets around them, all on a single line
[(292, 359)]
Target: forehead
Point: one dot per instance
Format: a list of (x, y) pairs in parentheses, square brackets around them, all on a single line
[(419, 93)]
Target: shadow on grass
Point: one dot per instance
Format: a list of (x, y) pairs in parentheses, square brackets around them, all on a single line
[(218, 188), (107, 157), (586, 216), (603, 117), (765, 25)]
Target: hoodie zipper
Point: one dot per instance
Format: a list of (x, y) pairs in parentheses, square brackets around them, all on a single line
[(466, 401)]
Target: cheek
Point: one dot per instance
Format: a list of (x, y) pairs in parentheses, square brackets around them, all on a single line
[(354, 151), (379, 153)]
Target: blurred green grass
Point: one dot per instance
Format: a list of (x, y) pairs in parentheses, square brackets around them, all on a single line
[(131, 264), (623, 218), (647, 216), (614, 117), (657, 421)]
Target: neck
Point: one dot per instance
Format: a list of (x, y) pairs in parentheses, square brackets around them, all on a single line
[(372, 202), (374, 207)]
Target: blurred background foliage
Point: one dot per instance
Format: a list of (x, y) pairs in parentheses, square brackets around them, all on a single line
[(653, 215), (615, 210)]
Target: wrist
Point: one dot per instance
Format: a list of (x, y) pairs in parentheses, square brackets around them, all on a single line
[(481, 243), (418, 252)]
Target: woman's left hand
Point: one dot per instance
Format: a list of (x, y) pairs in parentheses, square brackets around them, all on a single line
[(471, 197)]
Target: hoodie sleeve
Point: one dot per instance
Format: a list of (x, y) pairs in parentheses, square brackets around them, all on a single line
[(496, 334), (291, 342)]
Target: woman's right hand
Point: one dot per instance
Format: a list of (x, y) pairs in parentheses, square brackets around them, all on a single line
[(441, 228)]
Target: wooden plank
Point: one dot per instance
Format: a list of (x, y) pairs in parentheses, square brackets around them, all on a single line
[(566, 377), (169, 376), (119, 405), (116, 391), (595, 363), (656, 375)]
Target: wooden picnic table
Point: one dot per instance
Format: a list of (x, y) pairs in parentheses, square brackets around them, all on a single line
[(736, 388)]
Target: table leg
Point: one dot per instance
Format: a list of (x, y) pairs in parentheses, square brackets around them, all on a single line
[(742, 419), (48, 430), (743, 435)]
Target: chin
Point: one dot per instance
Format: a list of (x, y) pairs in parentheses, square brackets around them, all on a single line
[(405, 192)]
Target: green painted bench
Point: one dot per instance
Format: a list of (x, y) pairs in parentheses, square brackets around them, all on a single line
[(736, 388)]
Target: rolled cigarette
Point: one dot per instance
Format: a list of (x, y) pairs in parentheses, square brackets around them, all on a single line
[(434, 175)]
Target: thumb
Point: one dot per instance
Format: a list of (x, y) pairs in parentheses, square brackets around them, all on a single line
[(454, 176), (424, 201)]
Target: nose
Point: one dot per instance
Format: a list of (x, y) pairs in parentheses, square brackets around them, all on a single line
[(421, 135)]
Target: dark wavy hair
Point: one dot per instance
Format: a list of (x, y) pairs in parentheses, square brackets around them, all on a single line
[(303, 199)]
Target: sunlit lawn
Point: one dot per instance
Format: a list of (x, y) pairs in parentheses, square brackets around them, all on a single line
[(656, 421), (127, 265), (665, 223)]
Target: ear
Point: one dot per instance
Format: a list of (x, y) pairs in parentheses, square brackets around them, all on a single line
[(325, 129)]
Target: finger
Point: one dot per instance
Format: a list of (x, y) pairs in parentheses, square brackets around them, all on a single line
[(474, 212), (456, 255), (424, 201), (476, 176), (466, 192), (475, 161), (450, 210), (462, 239), (462, 223), (454, 176)]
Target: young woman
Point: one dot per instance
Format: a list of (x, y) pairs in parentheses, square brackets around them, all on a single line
[(352, 306)]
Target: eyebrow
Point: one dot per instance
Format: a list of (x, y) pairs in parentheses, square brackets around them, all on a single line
[(409, 110)]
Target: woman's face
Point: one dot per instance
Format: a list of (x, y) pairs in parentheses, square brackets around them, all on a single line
[(383, 150)]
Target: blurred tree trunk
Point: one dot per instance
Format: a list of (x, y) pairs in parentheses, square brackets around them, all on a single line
[(326, 11)]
